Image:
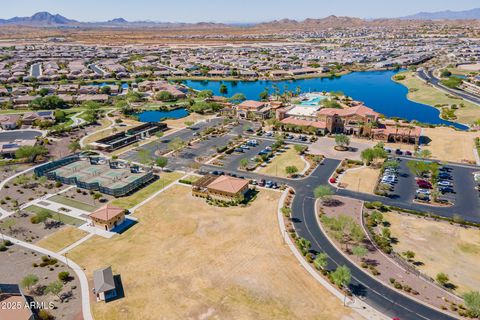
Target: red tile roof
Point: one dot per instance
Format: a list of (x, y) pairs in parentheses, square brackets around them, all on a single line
[(107, 212), (228, 184), (300, 122)]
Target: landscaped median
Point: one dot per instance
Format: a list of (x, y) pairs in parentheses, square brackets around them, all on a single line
[(336, 281), (343, 224)]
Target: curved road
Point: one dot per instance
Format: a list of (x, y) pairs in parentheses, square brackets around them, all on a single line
[(430, 78), (380, 296)]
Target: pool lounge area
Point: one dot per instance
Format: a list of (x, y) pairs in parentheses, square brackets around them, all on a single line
[(312, 100)]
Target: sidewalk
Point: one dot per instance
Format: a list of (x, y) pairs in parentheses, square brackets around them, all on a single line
[(87, 315)]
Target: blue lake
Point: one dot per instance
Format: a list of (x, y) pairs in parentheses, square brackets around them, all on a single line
[(155, 116), (374, 88)]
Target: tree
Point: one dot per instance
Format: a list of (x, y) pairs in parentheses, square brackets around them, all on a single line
[(28, 281), (264, 95), (164, 96), (30, 152), (342, 140), (291, 170), (342, 276), (238, 97), (41, 216), (424, 154), (161, 162), (410, 255), (64, 276), (106, 90), (472, 301), (43, 92), (303, 244), (323, 192), (372, 154), (321, 261), (300, 148), (223, 89), (205, 94), (359, 251), (96, 196), (244, 163), (442, 278), (74, 146), (54, 288), (391, 164)]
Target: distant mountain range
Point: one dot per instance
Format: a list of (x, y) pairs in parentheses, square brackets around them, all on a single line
[(446, 15), (46, 19)]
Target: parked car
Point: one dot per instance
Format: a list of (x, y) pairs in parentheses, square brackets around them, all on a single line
[(408, 153), (399, 152), (423, 191), (444, 183), (446, 190), (268, 184)]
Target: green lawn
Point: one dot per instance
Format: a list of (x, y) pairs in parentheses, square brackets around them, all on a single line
[(56, 216), (278, 164), (73, 203), (142, 194), (426, 94)]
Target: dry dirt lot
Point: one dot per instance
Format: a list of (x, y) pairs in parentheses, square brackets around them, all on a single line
[(448, 144), (362, 179), (61, 238), (17, 262), (186, 259), (442, 247)]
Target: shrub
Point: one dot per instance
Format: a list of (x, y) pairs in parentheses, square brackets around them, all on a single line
[(64, 276), (398, 285)]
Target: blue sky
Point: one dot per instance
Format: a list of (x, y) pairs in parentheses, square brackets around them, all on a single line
[(226, 10)]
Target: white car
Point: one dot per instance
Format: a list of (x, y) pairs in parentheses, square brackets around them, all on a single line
[(445, 183)]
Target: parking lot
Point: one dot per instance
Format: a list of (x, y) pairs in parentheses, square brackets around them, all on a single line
[(461, 192)]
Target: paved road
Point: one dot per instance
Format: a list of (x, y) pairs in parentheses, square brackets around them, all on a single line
[(429, 77), (379, 296), (12, 135)]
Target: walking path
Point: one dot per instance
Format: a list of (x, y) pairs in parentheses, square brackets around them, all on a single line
[(87, 315)]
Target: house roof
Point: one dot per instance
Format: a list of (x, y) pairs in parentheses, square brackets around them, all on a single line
[(251, 104), (358, 110), (107, 212), (228, 184), (103, 280), (10, 294), (301, 122)]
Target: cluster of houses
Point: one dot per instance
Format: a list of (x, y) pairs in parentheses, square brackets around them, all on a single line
[(22, 95), (14, 121), (377, 48)]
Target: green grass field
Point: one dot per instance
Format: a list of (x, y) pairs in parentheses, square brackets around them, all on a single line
[(421, 92), (73, 203), (142, 194), (56, 216)]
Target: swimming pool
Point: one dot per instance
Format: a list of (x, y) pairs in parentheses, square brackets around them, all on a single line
[(313, 102)]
